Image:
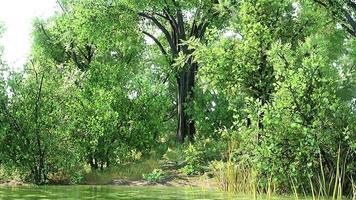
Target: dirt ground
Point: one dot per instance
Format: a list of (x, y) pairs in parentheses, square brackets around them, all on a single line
[(173, 179)]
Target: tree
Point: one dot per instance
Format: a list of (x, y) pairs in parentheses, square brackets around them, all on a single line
[(289, 45), (3, 95), (119, 106), (34, 139), (307, 113), (244, 57), (173, 20), (343, 11)]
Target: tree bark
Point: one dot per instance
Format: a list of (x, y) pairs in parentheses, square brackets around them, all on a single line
[(191, 85), (182, 120), (186, 84)]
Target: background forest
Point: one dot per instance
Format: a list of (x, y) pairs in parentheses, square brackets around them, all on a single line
[(258, 93)]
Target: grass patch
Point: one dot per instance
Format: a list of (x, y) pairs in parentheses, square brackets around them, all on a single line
[(131, 171)]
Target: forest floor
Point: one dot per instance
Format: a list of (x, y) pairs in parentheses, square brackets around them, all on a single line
[(172, 179), (131, 175), (176, 181), (11, 183)]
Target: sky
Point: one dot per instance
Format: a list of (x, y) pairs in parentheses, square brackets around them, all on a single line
[(17, 15)]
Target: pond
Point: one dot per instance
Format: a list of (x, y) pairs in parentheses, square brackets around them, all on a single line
[(110, 192), (121, 192)]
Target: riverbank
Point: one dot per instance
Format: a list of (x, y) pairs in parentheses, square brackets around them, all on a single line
[(12, 183), (202, 181), (170, 179)]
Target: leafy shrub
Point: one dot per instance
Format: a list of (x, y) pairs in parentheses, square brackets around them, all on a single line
[(155, 176), (175, 155), (197, 156), (189, 170)]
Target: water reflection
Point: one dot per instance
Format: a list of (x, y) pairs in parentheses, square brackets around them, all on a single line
[(109, 192)]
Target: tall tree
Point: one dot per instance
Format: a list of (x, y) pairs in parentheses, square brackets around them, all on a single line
[(179, 21), (169, 24), (115, 108), (343, 11), (244, 56)]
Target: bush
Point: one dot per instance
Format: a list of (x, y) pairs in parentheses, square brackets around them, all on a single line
[(155, 176)]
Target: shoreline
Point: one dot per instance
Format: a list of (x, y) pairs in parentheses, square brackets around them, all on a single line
[(12, 183), (176, 181)]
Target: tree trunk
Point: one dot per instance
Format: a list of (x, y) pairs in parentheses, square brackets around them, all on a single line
[(175, 34), (186, 83), (182, 119), (191, 84)]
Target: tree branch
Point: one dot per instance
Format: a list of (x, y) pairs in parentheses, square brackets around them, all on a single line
[(163, 29), (61, 6), (164, 52), (350, 20)]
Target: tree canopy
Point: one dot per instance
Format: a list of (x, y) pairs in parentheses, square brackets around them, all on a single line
[(264, 84)]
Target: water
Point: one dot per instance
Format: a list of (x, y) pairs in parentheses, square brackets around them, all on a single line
[(110, 192)]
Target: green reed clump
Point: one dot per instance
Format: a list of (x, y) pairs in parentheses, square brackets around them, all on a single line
[(326, 183)]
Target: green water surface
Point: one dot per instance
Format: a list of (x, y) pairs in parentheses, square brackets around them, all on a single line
[(122, 192), (110, 192)]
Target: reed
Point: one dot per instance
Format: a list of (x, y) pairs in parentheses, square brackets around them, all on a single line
[(328, 183), (295, 190), (353, 189), (233, 177), (236, 178)]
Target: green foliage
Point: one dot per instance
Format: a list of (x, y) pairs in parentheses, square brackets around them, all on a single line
[(155, 176), (264, 88), (198, 156), (193, 159), (129, 171), (34, 131), (286, 89)]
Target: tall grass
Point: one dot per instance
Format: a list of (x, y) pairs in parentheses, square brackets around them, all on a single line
[(232, 177), (353, 189), (328, 183), (132, 171)]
